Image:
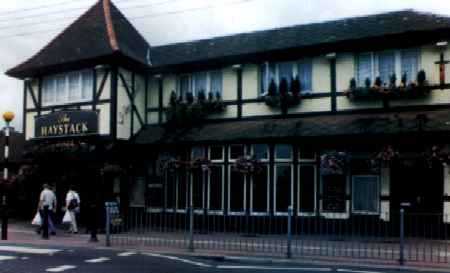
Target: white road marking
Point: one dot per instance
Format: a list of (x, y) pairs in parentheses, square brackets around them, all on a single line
[(5, 258), (126, 254), (355, 271), (97, 260), (173, 258), (29, 250), (60, 268), (319, 269), (24, 258)]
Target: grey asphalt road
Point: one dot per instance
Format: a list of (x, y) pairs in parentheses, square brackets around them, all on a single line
[(28, 259)]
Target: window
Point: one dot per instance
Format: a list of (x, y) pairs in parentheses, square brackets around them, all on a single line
[(236, 192), (215, 188), (365, 68), (236, 151), (181, 191), (171, 191), (259, 191), (283, 152), (259, 183), (206, 81), (216, 153), (288, 70), (66, 88), (365, 194), (283, 188), (409, 64), (197, 189), (307, 188), (386, 65)]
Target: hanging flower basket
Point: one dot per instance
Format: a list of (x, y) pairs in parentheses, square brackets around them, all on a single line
[(384, 157), (247, 165), (438, 153), (333, 163), (199, 163)]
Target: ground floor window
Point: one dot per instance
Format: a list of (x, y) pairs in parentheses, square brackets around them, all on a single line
[(236, 191), (171, 190), (365, 194), (215, 188), (260, 191), (155, 193), (307, 188), (197, 189), (333, 193), (283, 187), (182, 191)]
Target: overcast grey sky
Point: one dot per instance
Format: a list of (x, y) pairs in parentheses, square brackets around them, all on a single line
[(26, 26)]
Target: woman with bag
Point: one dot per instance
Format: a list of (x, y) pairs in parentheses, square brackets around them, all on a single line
[(72, 208)]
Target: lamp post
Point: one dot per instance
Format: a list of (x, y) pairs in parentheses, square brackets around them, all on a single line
[(7, 117)]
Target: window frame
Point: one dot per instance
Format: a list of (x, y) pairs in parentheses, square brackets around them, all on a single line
[(66, 76), (361, 212), (191, 83), (291, 195), (208, 203), (299, 212), (265, 79), (260, 213), (236, 213)]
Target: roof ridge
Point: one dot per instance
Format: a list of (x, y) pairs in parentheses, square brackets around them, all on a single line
[(109, 25), (292, 26)]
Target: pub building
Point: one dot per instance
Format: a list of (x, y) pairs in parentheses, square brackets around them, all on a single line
[(338, 119)]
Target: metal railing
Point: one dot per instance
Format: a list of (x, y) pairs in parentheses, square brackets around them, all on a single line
[(405, 237)]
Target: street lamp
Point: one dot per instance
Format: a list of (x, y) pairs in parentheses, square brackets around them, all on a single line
[(7, 117)]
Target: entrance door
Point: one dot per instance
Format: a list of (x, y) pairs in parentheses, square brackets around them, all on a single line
[(417, 185)]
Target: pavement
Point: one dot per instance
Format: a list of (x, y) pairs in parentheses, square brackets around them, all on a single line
[(22, 234)]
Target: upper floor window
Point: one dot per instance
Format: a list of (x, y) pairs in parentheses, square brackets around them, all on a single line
[(287, 70), (206, 81), (383, 64), (67, 87)]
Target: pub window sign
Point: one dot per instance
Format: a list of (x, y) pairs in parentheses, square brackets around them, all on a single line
[(66, 123)]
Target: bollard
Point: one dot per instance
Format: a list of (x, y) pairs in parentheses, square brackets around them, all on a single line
[(107, 227), (4, 219), (402, 237), (191, 228), (45, 222), (289, 233)]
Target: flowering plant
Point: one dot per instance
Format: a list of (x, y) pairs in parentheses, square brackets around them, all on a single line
[(247, 165), (333, 163), (438, 154)]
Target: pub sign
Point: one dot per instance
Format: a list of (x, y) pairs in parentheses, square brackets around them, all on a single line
[(66, 123)]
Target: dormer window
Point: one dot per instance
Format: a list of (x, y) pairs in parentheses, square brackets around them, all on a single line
[(67, 88)]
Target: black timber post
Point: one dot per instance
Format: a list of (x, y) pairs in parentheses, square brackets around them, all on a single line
[(332, 58), (24, 117), (146, 100), (238, 68), (39, 106), (160, 98), (94, 89), (114, 75), (133, 93)]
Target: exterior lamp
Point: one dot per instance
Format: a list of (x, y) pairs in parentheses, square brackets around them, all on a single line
[(7, 117)]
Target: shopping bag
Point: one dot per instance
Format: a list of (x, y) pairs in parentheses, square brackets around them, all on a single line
[(67, 219), (37, 220)]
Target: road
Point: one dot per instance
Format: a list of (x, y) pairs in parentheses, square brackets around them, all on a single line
[(28, 259)]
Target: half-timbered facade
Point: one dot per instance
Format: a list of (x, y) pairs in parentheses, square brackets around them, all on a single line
[(338, 119)]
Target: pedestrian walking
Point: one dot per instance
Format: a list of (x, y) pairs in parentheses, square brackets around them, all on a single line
[(73, 208), (47, 200)]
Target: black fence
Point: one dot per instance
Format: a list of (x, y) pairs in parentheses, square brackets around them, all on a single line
[(400, 236)]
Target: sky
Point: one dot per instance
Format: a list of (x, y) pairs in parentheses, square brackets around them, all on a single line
[(28, 25)]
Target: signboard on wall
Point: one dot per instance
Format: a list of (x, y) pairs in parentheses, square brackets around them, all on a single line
[(66, 123)]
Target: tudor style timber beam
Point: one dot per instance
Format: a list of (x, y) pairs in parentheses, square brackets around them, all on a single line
[(332, 58), (113, 112), (238, 68), (160, 97), (131, 93)]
